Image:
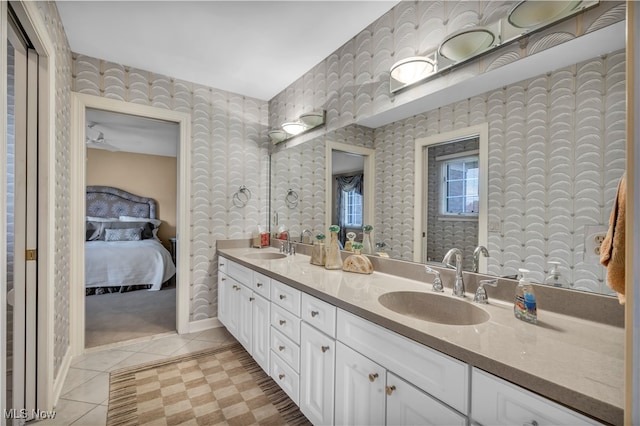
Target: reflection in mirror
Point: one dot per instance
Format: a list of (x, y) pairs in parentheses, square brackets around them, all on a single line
[(556, 151), (451, 195), (349, 188)]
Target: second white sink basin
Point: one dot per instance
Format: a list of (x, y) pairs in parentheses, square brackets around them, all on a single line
[(433, 307), (268, 255)]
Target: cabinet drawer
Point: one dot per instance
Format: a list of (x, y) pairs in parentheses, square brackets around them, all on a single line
[(222, 264), (497, 402), (261, 284), (286, 297), (286, 349), (441, 376), (319, 314), (239, 272), (286, 323), (286, 378)]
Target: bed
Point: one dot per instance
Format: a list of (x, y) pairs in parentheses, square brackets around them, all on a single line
[(122, 250)]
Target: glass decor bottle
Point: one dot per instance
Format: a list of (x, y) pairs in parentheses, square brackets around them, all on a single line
[(318, 254), (367, 248), (334, 259), (348, 245)]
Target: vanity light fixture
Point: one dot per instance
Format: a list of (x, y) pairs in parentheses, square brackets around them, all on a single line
[(412, 69), (466, 43), (532, 14), (304, 123), (294, 127)]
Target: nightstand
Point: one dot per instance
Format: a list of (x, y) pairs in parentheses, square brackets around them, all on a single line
[(172, 248)]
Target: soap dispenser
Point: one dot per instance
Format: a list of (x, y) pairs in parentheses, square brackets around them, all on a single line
[(555, 278), (525, 307)]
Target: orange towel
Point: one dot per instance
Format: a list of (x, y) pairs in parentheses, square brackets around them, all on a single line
[(612, 248)]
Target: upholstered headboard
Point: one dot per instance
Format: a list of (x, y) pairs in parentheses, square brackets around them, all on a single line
[(110, 202)]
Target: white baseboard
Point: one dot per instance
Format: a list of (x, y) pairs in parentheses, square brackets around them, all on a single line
[(58, 382), (205, 324)]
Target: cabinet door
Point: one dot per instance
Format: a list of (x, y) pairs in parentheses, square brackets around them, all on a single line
[(498, 402), (229, 303), (245, 321), (360, 398), (317, 368), (261, 342), (407, 405), (223, 298)]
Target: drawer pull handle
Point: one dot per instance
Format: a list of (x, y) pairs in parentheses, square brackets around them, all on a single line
[(222, 264), (390, 389), (251, 299), (314, 313), (259, 284), (281, 348), (531, 423), (324, 348), (223, 279), (282, 322), (282, 297), (373, 377), (237, 288), (280, 376)]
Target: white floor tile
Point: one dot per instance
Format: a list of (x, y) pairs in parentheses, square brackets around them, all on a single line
[(67, 412), (100, 361), (165, 346), (137, 358), (194, 346), (76, 377), (94, 391), (220, 335), (95, 417)]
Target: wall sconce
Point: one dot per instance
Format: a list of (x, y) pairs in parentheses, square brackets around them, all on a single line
[(461, 46), (304, 123)]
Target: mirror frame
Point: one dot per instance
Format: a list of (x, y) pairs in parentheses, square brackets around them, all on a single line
[(369, 155), (420, 200)]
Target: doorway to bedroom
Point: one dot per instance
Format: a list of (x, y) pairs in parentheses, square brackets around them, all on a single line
[(131, 221)]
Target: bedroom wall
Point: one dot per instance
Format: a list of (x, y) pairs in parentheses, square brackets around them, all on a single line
[(229, 148), (152, 176)]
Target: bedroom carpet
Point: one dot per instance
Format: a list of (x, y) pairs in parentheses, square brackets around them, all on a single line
[(117, 317), (216, 386)]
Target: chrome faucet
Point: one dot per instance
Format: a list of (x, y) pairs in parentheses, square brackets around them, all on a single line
[(306, 232), (288, 246), (476, 256), (458, 286), (481, 292), (437, 282)]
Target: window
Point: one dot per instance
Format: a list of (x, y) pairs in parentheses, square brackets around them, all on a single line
[(352, 209), (460, 186)]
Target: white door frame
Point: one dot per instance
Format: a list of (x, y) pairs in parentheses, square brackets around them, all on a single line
[(369, 174), (481, 131), (79, 103)]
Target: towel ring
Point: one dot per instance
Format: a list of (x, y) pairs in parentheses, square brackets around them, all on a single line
[(241, 197), (291, 199)]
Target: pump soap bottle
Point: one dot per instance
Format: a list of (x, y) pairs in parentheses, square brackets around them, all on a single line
[(525, 307)]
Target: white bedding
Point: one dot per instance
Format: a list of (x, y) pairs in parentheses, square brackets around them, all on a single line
[(117, 263)]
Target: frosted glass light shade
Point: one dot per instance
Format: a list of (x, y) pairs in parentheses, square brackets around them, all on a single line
[(412, 69), (530, 14), (293, 127), (312, 119), (466, 43), (277, 136)]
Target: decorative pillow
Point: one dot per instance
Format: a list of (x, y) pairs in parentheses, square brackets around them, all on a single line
[(146, 228), (154, 222), (92, 230), (125, 234)]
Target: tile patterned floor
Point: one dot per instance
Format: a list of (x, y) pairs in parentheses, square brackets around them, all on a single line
[(84, 397)]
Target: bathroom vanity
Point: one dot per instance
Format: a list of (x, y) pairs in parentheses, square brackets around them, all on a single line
[(346, 355)]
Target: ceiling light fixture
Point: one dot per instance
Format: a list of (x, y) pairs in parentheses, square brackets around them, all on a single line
[(412, 69)]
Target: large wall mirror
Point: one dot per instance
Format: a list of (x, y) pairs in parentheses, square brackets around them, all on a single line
[(555, 154)]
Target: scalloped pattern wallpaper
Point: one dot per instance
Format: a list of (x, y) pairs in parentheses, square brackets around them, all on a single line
[(229, 148)]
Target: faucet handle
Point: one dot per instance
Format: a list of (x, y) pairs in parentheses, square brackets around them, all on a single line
[(437, 282), (481, 292)]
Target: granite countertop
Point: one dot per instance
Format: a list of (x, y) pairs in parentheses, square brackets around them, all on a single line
[(576, 362)]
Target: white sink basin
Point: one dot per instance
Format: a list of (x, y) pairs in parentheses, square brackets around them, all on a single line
[(269, 255), (433, 307)]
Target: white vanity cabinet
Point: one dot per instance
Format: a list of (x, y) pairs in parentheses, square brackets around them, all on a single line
[(243, 311), (317, 359), (498, 402)]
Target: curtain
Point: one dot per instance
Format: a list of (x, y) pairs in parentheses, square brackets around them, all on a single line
[(346, 184)]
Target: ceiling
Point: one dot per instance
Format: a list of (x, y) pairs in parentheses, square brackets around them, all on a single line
[(252, 48)]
